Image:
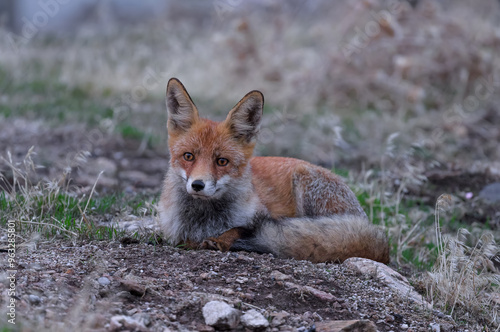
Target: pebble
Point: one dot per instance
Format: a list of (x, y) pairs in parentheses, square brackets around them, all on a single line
[(121, 322), (103, 281), (220, 315), (278, 276), (279, 318), (254, 320), (241, 280), (435, 327), (491, 192), (34, 299), (142, 318)]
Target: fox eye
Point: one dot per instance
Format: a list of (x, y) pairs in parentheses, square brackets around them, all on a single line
[(188, 156), (222, 161)]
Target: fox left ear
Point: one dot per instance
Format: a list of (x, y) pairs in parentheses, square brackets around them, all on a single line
[(182, 113), (245, 117)]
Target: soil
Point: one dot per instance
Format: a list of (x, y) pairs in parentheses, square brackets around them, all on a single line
[(82, 286), (129, 165)]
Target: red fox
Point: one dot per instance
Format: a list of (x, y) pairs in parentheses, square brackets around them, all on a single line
[(217, 196)]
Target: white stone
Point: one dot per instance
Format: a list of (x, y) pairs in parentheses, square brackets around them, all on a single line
[(103, 281), (388, 276), (220, 315), (254, 320)]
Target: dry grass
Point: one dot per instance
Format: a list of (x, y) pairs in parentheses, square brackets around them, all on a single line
[(24, 198), (464, 281), (50, 207)]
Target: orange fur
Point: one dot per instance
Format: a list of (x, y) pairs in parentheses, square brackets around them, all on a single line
[(285, 206)]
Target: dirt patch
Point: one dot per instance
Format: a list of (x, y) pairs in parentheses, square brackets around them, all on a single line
[(456, 182), (60, 285), (127, 164)]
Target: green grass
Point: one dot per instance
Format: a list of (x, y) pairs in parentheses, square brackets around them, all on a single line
[(126, 130), (341, 172), (409, 245), (9, 328), (48, 99), (62, 214), (52, 101)]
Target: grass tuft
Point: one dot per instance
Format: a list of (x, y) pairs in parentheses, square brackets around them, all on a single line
[(51, 209), (464, 279)]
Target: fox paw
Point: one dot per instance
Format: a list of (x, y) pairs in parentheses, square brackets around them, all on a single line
[(214, 244)]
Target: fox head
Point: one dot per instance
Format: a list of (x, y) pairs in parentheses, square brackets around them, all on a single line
[(210, 157)]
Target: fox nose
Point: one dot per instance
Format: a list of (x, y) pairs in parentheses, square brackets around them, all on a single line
[(198, 185)]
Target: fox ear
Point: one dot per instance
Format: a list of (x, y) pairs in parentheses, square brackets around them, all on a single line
[(244, 119), (182, 112)]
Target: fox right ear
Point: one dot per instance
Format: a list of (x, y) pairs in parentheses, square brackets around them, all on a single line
[(182, 112), (244, 119)]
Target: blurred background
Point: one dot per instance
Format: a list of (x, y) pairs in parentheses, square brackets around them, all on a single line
[(406, 88), (339, 78)]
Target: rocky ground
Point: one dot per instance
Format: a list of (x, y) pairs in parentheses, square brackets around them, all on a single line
[(127, 286)]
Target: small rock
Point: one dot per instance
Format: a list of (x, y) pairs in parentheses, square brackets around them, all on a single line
[(491, 192), (133, 287), (336, 305), (33, 299), (132, 311), (438, 314), (220, 315), (245, 258), (435, 327), (278, 318), (248, 296), (447, 327), (307, 315), (241, 280), (346, 325), (254, 320), (103, 281), (404, 326), (228, 291), (124, 295), (142, 318), (204, 328), (311, 290), (121, 322), (278, 276)]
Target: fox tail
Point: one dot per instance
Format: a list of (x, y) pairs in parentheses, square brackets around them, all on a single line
[(320, 239)]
